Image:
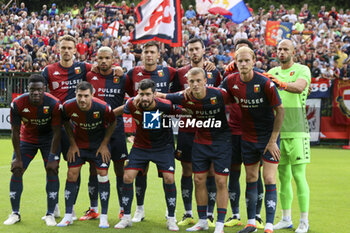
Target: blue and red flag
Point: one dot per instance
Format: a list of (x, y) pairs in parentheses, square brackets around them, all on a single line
[(277, 31), (158, 20)]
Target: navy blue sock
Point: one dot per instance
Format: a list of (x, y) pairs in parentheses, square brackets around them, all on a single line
[(170, 197), (221, 214), (186, 191), (202, 211), (70, 195), (270, 202), (211, 186), (120, 183), (251, 195), (93, 190), (16, 188), (52, 188), (140, 187), (77, 189), (104, 191), (128, 193), (260, 195), (234, 191)]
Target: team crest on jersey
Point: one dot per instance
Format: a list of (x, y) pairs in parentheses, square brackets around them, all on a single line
[(116, 80), (209, 75), (292, 73), (160, 73), (46, 109), (96, 115), (77, 70), (256, 88), (213, 100)]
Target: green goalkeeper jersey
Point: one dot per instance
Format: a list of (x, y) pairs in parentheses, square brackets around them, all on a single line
[(295, 124)]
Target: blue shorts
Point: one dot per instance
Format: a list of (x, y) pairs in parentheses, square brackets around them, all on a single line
[(162, 157), (29, 150), (119, 151), (252, 153), (184, 146), (236, 150), (217, 153), (90, 156)]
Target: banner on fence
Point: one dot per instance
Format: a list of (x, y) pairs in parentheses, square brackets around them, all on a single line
[(341, 102), (313, 113), (320, 88), (5, 118)]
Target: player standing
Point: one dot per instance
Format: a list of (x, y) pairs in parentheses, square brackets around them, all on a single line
[(258, 98), (295, 79), (36, 125), (152, 143), (111, 89), (89, 123)]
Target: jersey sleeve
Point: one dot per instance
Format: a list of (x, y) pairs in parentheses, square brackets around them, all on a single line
[(109, 115), (305, 74), (56, 114), (129, 84), (272, 94), (15, 118), (64, 113), (127, 106), (175, 85), (226, 96), (218, 79), (45, 74), (175, 98), (88, 67), (172, 72)]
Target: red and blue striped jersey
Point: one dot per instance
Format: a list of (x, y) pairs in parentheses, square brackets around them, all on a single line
[(62, 81), (162, 76), (110, 89), (36, 121), (214, 79), (210, 109), (157, 137), (89, 127), (256, 99)]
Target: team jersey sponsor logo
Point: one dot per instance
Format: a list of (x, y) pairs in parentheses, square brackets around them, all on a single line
[(77, 70), (46, 109), (151, 119), (25, 110), (213, 100), (256, 88), (160, 73), (209, 75), (96, 115), (116, 80)]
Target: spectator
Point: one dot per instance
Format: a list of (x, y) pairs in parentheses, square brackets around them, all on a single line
[(53, 11), (190, 13), (44, 12), (22, 9), (333, 13), (86, 9), (345, 72), (128, 59), (75, 11), (14, 9)]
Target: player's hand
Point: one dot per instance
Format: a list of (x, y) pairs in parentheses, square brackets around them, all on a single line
[(187, 93), (73, 149), (309, 91), (279, 84), (95, 68), (230, 67), (136, 101), (117, 71), (209, 66), (17, 167), (105, 154), (272, 147)]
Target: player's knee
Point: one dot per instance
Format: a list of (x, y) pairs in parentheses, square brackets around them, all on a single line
[(72, 175), (101, 172), (18, 172), (52, 171), (252, 177), (269, 179), (168, 178), (199, 180), (221, 183), (128, 179), (102, 178)]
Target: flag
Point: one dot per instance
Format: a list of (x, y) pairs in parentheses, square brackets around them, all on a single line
[(113, 29), (238, 9), (202, 6), (341, 102), (277, 31), (158, 20)]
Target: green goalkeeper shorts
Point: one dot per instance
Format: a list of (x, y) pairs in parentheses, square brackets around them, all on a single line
[(295, 151)]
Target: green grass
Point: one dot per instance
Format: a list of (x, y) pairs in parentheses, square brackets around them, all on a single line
[(328, 177)]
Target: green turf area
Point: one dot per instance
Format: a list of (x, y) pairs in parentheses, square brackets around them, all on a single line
[(328, 177)]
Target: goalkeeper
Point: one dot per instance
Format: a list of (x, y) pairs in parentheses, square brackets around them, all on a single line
[(293, 80)]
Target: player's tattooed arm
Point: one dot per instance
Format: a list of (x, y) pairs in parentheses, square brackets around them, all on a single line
[(73, 148), (103, 149), (17, 164), (272, 146)]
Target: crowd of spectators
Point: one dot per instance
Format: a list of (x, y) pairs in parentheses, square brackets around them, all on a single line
[(28, 39)]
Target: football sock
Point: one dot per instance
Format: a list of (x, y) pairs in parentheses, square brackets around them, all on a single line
[(16, 188), (93, 190), (170, 196), (104, 191), (251, 195), (52, 188), (234, 191), (270, 202), (186, 191), (140, 187), (211, 186)]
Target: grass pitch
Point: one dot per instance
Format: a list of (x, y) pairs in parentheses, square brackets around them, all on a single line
[(328, 177)]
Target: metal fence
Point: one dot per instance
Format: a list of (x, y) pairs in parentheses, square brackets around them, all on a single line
[(12, 84)]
